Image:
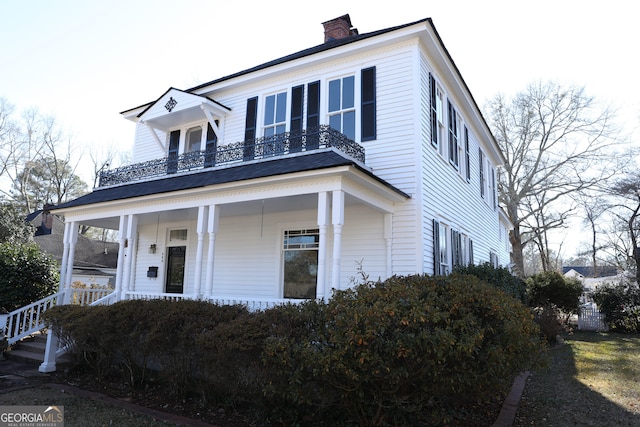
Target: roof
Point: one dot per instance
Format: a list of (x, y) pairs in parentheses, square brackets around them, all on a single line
[(262, 169), (603, 271), (89, 252), (331, 44)]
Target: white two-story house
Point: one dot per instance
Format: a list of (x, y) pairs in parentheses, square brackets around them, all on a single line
[(364, 154)]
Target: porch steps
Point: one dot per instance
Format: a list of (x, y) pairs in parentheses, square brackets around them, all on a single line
[(31, 350)]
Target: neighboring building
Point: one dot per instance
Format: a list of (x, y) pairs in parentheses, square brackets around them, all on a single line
[(95, 261), (593, 279), (280, 182)]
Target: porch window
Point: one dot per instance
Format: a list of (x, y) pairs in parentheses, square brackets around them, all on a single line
[(300, 255), (342, 113)]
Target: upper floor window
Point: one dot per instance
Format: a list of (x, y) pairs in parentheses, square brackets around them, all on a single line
[(342, 113), (275, 114), (193, 140), (453, 134)]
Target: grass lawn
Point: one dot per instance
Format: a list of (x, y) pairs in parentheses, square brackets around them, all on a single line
[(593, 379)]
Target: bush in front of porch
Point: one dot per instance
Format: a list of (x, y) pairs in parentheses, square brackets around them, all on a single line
[(409, 350), (413, 350)]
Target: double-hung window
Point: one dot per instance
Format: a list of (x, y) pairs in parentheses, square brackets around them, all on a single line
[(440, 249), (453, 134), (275, 114), (342, 113), (275, 122)]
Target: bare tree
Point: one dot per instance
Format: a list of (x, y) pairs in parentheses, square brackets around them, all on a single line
[(594, 206), (37, 160), (557, 141), (628, 188)]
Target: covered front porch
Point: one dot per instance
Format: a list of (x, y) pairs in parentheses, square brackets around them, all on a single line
[(258, 242)]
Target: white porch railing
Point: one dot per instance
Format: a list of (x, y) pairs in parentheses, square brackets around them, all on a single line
[(26, 320), (87, 296), (253, 304), (157, 295)]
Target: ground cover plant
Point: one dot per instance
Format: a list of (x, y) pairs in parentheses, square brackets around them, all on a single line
[(592, 379)]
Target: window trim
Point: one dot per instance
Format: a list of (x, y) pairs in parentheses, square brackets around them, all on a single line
[(314, 246), (342, 110)]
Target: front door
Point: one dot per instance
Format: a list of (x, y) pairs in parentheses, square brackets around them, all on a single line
[(175, 269)]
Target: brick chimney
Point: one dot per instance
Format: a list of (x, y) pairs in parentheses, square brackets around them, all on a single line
[(338, 28)]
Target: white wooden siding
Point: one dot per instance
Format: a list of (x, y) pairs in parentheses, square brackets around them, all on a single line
[(401, 154)]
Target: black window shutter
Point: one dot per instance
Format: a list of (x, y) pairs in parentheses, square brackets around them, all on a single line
[(172, 154), (368, 104), (434, 111), (211, 147), (250, 128), (481, 161), (313, 114), (436, 248), (467, 153), (470, 251), (297, 97)]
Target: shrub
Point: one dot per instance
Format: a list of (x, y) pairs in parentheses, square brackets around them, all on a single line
[(196, 347), (551, 288), (500, 277), (78, 330), (620, 305), (410, 350), (548, 318), (26, 275)]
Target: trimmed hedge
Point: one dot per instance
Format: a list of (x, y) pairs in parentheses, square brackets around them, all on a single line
[(499, 277), (411, 350), (406, 351)]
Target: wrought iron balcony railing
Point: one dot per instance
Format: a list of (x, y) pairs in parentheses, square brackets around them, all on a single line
[(282, 144)]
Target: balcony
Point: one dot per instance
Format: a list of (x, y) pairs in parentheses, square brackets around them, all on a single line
[(281, 145)]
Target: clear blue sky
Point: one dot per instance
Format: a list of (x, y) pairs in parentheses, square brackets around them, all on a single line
[(86, 61)]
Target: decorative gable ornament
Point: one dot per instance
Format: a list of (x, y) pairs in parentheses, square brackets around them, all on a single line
[(171, 104)]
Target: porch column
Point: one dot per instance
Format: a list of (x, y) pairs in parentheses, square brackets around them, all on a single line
[(65, 256), (388, 238), (323, 285), (122, 237), (130, 242), (338, 222), (200, 230), (72, 240), (212, 228)]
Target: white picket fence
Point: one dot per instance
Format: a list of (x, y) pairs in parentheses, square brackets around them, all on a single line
[(590, 319)]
